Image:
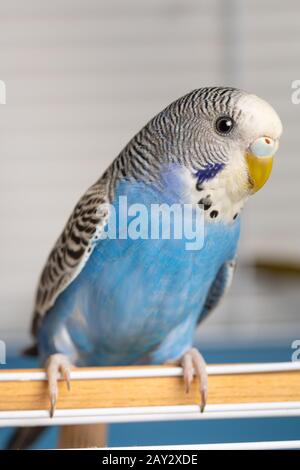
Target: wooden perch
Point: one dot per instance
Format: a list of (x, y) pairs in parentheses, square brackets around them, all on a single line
[(151, 386)]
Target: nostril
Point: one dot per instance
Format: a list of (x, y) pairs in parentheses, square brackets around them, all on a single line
[(268, 141)]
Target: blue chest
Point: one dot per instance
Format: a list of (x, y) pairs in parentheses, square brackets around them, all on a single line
[(135, 291)]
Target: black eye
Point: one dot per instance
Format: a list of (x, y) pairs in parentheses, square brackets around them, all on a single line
[(224, 125)]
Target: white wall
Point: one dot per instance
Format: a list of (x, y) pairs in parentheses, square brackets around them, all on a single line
[(83, 76)]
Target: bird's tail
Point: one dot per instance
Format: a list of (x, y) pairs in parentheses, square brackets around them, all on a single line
[(31, 351), (23, 438)]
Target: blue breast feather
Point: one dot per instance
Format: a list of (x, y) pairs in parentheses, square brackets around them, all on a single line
[(137, 301)]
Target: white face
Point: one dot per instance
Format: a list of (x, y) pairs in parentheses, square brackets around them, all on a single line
[(251, 138), (258, 120)]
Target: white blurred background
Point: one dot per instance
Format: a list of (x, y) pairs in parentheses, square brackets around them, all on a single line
[(83, 76)]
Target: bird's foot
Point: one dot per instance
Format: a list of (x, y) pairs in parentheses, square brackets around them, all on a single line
[(193, 363), (57, 366)]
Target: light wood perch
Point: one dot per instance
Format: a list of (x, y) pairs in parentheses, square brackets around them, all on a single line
[(24, 398)]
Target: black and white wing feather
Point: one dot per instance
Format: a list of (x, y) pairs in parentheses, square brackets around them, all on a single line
[(74, 247)]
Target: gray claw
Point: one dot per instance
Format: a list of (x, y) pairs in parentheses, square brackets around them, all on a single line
[(203, 400), (52, 404)]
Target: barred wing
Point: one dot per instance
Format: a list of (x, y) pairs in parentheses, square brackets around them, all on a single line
[(73, 248)]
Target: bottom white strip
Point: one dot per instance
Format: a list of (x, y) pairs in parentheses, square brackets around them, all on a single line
[(144, 414), (269, 445)]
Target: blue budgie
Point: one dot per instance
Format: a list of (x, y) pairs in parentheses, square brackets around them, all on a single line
[(125, 300)]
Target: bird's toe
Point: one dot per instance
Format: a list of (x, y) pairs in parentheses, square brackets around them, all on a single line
[(57, 366), (194, 364)]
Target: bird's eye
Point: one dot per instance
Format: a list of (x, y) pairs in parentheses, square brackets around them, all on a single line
[(224, 125)]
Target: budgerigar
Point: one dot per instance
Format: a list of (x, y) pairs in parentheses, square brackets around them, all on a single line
[(121, 301)]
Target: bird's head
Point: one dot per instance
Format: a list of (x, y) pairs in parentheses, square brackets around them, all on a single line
[(253, 130), (231, 133)]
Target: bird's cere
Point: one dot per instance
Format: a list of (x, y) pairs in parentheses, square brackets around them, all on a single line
[(264, 147)]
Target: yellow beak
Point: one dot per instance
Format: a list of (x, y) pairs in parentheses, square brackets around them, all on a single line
[(259, 169)]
